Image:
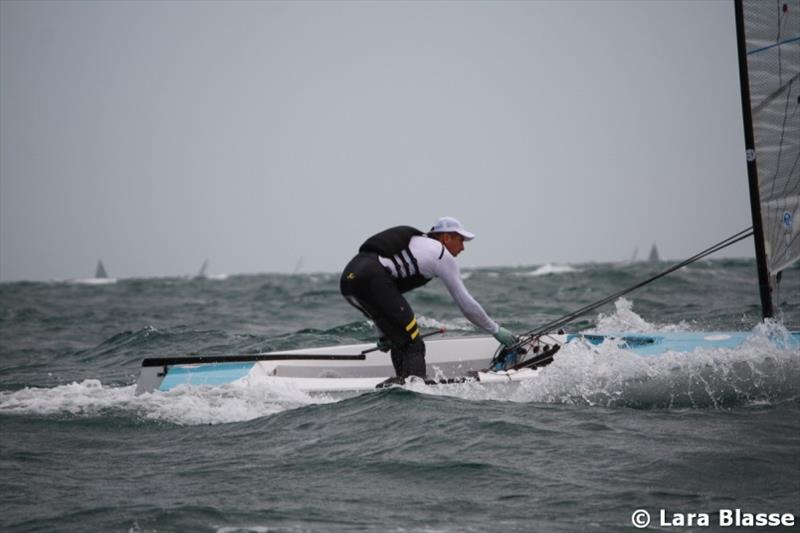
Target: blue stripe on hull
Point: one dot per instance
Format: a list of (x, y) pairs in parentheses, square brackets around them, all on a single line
[(207, 374), (687, 342)]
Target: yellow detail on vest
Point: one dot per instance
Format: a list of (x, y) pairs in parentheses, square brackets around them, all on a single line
[(411, 324), (415, 334), (351, 276)]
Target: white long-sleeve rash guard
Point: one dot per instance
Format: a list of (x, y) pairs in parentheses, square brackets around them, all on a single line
[(435, 261)]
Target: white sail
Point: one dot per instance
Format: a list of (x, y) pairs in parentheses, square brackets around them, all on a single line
[(772, 36)]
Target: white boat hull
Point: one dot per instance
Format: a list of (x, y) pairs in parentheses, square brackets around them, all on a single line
[(445, 358), (342, 368)]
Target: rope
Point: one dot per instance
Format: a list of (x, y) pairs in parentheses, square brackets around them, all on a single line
[(566, 319)]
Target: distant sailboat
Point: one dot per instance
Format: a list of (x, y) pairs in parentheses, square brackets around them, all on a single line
[(654, 257), (100, 277), (100, 271), (203, 275)]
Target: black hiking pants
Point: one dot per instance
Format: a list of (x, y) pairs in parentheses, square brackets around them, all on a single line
[(370, 288)]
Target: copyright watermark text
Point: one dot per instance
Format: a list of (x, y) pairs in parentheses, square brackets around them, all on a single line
[(723, 518)]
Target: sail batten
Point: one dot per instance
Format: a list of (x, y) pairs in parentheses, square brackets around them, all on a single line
[(787, 41)]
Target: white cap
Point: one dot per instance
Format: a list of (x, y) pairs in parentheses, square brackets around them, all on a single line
[(451, 225)]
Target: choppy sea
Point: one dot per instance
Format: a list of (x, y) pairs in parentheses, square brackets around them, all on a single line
[(604, 432)]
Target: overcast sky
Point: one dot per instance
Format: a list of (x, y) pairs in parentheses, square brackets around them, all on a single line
[(155, 135)]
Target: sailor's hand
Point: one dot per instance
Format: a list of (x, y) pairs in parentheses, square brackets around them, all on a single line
[(384, 344), (505, 337)]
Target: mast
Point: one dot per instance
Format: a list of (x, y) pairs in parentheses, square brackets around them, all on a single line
[(764, 287)]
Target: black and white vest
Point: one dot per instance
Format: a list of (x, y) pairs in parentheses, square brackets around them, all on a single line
[(393, 244)]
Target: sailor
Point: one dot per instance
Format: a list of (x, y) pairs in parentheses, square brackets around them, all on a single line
[(396, 261)]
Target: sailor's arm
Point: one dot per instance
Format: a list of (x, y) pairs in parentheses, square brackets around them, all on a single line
[(450, 275)]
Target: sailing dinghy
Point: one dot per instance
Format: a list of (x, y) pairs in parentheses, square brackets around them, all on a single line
[(100, 277), (768, 40), (357, 367), (351, 368)]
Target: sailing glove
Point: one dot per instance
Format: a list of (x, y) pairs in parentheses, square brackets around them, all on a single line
[(505, 337)]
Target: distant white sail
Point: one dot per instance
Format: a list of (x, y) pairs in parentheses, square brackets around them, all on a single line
[(772, 36)]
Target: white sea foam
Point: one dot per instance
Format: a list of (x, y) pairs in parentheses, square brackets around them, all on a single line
[(182, 405), (757, 371), (92, 281), (761, 371), (549, 269), (625, 319), (86, 397), (765, 369), (243, 529)]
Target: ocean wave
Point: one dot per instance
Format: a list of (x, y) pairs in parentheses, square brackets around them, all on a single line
[(116, 343), (91, 281), (764, 370), (456, 324), (759, 372), (549, 269), (128, 346), (625, 319), (183, 405), (756, 372)]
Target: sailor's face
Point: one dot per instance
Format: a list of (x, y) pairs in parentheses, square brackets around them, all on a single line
[(454, 242)]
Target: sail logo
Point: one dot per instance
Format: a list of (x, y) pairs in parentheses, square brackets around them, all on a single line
[(787, 221)]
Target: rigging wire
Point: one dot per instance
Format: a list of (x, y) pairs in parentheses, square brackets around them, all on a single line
[(566, 319)]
